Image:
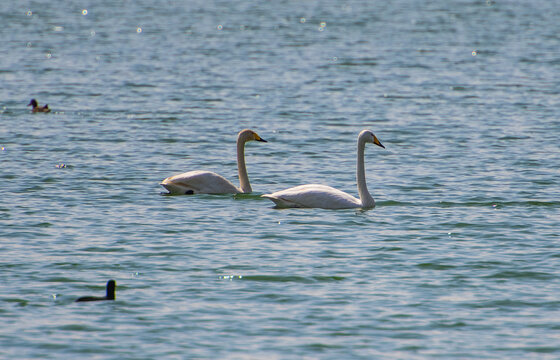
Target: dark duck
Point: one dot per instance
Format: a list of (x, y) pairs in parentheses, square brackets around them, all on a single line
[(37, 108), (111, 284)]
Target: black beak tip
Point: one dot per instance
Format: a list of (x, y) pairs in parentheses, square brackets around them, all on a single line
[(262, 140)]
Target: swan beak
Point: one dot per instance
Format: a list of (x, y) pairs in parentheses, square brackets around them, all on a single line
[(377, 142), (258, 138)]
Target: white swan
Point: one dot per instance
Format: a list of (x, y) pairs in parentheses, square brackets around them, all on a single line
[(207, 182), (326, 197)]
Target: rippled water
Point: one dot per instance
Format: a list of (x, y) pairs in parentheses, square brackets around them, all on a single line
[(458, 260)]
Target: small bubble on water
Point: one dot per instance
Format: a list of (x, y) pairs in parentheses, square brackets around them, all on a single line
[(84, 12), (475, 52), (230, 277), (54, 296), (29, 44), (48, 55), (220, 27), (29, 13), (335, 59), (138, 29), (92, 33), (321, 28), (323, 24), (302, 20), (58, 28), (2, 148)]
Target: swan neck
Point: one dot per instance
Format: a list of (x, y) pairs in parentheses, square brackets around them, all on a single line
[(241, 168), (365, 197)]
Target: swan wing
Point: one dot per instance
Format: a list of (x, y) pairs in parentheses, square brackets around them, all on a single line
[(199, 182), (313, 196)]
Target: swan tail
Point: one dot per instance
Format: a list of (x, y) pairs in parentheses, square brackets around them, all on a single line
[(175, 188), (280, 202)]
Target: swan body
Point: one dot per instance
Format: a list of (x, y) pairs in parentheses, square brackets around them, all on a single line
[(208, 182), (313, 196), (326, 197), (199, 182)]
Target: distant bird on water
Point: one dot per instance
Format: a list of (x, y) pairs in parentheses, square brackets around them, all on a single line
[(37, 108), (111, 284)]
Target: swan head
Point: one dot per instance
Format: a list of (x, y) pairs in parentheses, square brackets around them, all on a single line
[(368, 136), (249, 135)]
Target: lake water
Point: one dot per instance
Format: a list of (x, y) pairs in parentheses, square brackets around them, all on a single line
[(460, 258)]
